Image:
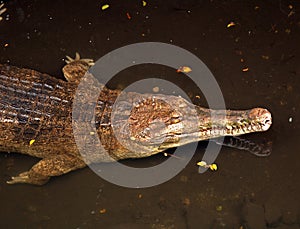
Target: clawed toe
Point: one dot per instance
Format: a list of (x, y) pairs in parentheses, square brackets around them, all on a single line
[(28, 179), (22, 178), (69, 59)]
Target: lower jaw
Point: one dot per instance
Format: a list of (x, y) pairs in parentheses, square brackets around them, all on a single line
[(208, 134)]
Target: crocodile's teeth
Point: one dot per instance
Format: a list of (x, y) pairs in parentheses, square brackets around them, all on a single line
[(228, 127)]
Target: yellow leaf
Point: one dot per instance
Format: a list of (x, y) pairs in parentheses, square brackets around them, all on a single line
[(144, 3), (184, 69), (213, 167), (31, 142), (104, 7), (202, 163)]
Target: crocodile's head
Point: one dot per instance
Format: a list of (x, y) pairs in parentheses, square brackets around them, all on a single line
[(165, 123)]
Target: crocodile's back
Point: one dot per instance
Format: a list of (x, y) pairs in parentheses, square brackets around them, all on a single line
[(35, 111)]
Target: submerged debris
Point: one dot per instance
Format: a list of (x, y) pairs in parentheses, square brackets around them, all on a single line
[(219, 208), (155, 89), (265, 57), (128, 15)]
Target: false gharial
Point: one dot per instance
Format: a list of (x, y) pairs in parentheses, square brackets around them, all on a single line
[(36, 119)]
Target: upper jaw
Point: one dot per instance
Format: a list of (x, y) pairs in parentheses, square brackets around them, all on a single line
[(192, 127), (232, 124)]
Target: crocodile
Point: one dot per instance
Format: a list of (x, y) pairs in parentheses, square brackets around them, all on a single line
[(36, 119)]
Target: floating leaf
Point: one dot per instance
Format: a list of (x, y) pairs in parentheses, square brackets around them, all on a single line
[(213, 167), (184, 69), (102, 211), (104, 7), (231, 24), (202, 163)]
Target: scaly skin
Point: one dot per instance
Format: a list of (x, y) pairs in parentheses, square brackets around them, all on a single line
[(36, 106)]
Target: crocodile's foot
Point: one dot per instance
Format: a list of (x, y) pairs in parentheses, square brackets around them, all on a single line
[(76, 68), (41, 172), (69, 59), (29, 178)]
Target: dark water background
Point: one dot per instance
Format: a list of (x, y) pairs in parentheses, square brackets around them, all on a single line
[(266, 36)]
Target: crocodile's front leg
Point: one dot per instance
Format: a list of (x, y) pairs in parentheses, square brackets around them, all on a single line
[(75, 68), (41, 172), (61, 163)]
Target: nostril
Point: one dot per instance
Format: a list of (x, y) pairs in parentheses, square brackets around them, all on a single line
[(267, 121)]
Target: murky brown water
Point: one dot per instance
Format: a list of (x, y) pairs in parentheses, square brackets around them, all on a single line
[(265, 39)]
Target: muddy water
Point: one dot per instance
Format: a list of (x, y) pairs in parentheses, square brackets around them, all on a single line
[(256, 63)]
